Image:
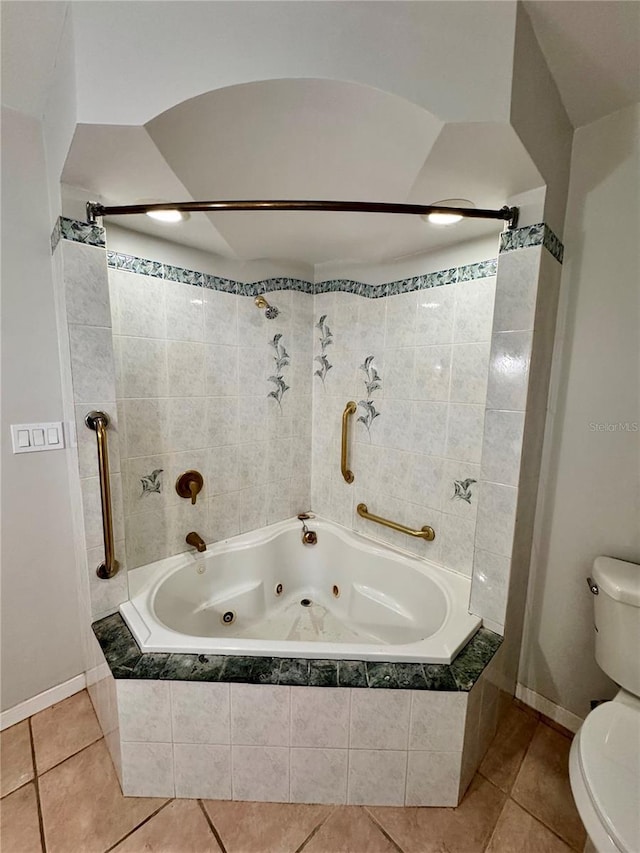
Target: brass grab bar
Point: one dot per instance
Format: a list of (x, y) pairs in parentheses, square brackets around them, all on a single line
[(425, 532), (99, 421), (349, 409)]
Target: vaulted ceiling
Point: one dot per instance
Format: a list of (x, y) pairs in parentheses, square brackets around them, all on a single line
[(444, 132), (303, 139)]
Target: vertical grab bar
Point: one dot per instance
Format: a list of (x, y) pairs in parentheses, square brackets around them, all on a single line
[(99, 421), (349, 409)]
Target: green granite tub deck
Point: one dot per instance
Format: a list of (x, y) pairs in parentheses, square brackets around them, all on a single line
[(127, 661)]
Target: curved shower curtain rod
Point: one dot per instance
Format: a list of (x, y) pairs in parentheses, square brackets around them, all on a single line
[(505, 214)]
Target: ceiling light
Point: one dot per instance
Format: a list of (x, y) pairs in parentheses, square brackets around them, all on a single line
[(447, 218), (167, 215)]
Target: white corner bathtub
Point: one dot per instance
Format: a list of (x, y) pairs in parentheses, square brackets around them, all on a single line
[(265, 593)]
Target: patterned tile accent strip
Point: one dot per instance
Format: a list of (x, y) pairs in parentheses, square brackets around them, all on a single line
[(339, 285), (532, 235), (138, 265), (127, 661), (520, 238), (79, 232), (56, 235), (552, 244)]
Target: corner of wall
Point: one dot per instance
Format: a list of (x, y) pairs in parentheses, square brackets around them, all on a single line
[(539, 118)]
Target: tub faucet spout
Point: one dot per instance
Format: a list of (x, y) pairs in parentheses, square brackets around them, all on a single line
[(197, 541)]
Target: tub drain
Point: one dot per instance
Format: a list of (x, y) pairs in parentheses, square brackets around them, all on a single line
[(228, 617), (306, 602)]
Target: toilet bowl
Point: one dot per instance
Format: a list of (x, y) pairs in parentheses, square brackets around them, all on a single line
[(604, 770), (604, 761)]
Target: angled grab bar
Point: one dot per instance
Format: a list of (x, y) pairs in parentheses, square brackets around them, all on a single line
[(99, 421), (349, 409), (425, 532)]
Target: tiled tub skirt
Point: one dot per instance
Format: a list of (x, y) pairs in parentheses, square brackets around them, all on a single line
[(273, 742)]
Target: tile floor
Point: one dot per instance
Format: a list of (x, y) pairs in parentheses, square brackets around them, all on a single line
[(60, 794)]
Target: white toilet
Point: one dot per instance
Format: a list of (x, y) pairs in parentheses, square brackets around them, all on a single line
[(604, 763)]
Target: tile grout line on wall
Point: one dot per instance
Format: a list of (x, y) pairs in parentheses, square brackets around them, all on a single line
[(406, 774)]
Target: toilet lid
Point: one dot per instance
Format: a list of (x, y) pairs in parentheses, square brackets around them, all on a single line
[(610, 764)]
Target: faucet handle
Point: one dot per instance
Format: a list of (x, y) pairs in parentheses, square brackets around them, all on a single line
[(189, 485)]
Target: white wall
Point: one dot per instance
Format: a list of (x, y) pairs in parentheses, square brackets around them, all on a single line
[(589, 499), (174, 51), (40, 616), (540, 120)]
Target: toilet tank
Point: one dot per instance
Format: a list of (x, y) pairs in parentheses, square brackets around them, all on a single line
[(617, 621)]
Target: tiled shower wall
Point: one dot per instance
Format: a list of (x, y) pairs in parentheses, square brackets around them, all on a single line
[(416, 363), (195, 368), (86, 340), (205, 381)]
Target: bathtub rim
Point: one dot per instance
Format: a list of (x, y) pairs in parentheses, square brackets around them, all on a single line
[(440, 648)]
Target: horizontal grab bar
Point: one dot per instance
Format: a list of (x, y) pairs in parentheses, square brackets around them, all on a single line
[(425, 532)]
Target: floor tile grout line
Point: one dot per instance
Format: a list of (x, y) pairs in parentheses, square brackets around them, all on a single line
[(73, 755), (492, 832), (524, 758), (382, 829), (540, 722), (211, 825), (491, 782), (516, 774), (546, 825), (36, 784), (137, 827), (19, 788), (315, 830)]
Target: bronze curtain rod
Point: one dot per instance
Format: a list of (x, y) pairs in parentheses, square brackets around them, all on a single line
[(505, 214)]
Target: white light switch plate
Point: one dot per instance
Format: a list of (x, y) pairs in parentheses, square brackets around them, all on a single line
[(30, 438)]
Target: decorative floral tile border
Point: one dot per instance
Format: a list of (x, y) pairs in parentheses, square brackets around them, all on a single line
[(552, 244), (532, 235), (127, 661), (78, 232), (144, 266), (56, 235), (520, 238)]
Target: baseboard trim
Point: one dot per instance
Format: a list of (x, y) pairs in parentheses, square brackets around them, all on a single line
[(43, 700), (545, 706), (97, 673)]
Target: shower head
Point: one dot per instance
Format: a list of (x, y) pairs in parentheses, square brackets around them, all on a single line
[(270, 311)]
